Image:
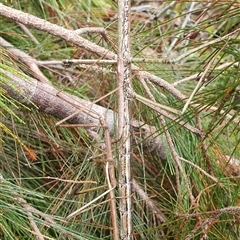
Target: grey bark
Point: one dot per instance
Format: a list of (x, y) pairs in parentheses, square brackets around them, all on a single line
[(73, 37), (61, 105)]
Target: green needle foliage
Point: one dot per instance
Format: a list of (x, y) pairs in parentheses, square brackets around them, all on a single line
[(48, 172)]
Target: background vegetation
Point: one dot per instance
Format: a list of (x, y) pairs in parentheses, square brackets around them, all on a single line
[(48, 172)]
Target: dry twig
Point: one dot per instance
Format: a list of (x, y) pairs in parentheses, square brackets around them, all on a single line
[(25, 58)]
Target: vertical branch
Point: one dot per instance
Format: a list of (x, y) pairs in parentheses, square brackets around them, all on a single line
[(110, 173), (124, 97)]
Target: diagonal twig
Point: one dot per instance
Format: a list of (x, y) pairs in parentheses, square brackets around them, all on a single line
[(25, 58)]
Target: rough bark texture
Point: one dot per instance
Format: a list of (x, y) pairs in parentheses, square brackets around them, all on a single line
[(61, 105), (73, 37), (124, 117)]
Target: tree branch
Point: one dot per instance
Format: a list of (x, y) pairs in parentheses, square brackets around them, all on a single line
[(75, 110), (24, 57), (72, 36)]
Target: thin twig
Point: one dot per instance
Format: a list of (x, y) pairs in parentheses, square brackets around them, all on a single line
[(78, 211), (204, 146), (199, 169), (226, 210), (157, 107), (186, 20), (197, 87), (34, 226), (70, 62), (28, 60), (110, 173), (199, 75), (177, 164), (205, 225), (91, 30), (27, 31), (207, 44), (155, 210), (68, 180), (35, 211)]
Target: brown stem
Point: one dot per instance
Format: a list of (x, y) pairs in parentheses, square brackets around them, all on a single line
[(111, 172)]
